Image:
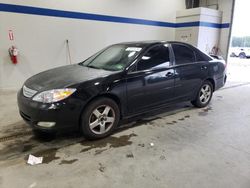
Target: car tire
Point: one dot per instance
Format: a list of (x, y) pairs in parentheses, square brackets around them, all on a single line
[(100, 118), (233, 54), (242, 55), (204, 95)]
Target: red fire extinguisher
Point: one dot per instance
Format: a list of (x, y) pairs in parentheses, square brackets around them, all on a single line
[(13, 52)]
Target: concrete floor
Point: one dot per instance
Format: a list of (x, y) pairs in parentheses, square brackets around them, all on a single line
[(175, 147)]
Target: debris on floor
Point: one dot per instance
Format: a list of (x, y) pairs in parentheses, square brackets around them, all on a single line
[(101, 167), (130, 155), (33, 185), (33, 160)]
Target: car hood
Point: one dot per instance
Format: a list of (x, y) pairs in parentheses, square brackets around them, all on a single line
[(64, 77)]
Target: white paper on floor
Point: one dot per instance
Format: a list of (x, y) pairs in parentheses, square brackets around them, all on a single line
[(33, 160)]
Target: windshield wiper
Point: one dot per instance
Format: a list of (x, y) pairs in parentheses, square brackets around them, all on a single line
[(91, 66)]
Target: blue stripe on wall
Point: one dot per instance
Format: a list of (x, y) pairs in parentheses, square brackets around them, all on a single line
[(98, 17), (204, 24)]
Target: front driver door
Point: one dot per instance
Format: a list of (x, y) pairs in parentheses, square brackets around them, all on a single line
[(152, 82)]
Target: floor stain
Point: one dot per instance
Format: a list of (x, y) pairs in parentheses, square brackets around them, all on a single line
[(101, 167), (17, 127), (180, 119), (112, 142), (141, 145), (219, 98), (24, 146), (99, 151), (27, 147), (130, 155), (205, 111), (14, 149), (68, 161), (47, 154), (15, 136), (146, 121), (162, 157)]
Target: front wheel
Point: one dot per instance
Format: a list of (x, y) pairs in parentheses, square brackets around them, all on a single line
[(233, 54), (204, 95), (100, 118)]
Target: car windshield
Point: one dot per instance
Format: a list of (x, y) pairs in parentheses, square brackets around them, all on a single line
[(113, 58)]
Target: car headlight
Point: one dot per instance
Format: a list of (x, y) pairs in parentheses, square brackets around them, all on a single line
[(54, 95)]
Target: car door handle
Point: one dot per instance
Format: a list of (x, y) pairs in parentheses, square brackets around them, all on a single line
[(169, 74), (204, 67)]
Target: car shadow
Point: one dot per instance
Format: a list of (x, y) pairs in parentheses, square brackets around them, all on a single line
[(125, 124), (47, 144)]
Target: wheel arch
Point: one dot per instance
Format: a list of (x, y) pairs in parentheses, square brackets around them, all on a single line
[(111, 96), (211, 80), (243, 53)]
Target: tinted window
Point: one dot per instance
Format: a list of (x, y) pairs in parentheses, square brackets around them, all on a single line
[(156, 57), (183, 54), (200, 56)]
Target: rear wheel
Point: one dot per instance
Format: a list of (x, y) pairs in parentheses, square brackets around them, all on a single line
[(100, 118), (242, 55), (204, 95)]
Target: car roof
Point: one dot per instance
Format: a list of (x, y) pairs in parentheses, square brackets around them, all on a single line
[(148, 43)]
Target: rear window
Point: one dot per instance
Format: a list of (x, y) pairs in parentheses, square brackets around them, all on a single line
[(183, 54), (200, 56)]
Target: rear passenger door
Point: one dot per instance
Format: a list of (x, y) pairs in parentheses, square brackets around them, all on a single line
[(189, 73)]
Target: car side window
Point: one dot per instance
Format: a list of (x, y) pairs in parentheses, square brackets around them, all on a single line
[(156, 57), (183, 54), (200, 56)]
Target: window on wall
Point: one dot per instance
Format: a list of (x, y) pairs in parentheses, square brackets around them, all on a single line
[(156, 57), (183, 54)]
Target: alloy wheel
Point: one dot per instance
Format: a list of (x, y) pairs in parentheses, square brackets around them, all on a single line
[(101, 119), (205, 93)]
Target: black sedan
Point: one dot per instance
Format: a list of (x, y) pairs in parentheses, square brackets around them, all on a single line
[(120, 81)]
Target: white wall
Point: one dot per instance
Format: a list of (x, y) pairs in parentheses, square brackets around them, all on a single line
[(205, 38), (226, 6), (41, 39)]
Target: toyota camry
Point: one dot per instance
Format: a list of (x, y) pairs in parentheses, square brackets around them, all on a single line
[(120, 81)]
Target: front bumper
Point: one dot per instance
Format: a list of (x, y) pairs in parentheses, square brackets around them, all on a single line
[(65, 114)]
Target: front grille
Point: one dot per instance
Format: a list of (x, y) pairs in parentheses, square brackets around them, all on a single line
[(27, 92)]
